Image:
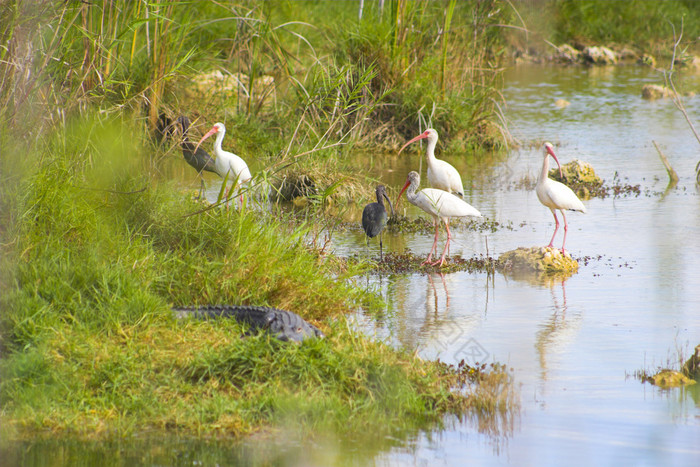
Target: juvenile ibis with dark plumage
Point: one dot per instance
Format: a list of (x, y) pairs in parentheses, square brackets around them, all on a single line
[(374, 217), (195, 156)]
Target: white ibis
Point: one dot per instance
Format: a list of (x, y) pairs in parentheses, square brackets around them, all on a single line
[(556, 195), (439, 204), (227, 163), (441, 175), (194, 155), (374, 217)]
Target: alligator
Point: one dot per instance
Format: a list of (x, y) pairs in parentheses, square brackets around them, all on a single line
[(283, 324)]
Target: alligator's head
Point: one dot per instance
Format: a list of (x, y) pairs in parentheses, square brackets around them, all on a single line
[(297, 333)]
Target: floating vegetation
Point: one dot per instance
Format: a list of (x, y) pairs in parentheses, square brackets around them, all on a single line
[(408, 262), (620, 190), (585, 190), (403, 224)]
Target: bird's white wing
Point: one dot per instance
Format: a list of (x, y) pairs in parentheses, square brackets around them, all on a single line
[(442, 204)]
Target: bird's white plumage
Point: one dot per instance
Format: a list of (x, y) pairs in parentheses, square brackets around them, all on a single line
[(439, 204), (556, 195), (553, 194), (228, 162), (441, 175)]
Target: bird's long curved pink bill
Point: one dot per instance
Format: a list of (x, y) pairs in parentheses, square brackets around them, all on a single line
[(398, 199), (551, 153), (421, 136), (209, 133)]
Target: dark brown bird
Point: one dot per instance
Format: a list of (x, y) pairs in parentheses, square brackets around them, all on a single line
[(374, 217), (195, 156)]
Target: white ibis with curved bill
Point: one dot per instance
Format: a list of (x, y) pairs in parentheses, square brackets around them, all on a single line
[(194, 155), (374, 217), (439, 204), (556, 195), (441, 175), (227, 163)]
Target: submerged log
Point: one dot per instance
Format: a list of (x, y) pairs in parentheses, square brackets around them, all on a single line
[(537, 260)]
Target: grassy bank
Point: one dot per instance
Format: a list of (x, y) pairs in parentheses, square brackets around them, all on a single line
[(95, 252)]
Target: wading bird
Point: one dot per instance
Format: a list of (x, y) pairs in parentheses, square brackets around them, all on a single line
[(441, 175), (227, 163), (439, 204), (556, 195), (194, 155), (374, 217)]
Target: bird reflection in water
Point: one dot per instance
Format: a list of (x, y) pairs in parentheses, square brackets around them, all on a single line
[(434, 293), (555, 333)]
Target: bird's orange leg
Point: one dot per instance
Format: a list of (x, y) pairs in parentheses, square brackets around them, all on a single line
[(556, 227), (228, 189), (566, 229), (430, 255), (447, 244)]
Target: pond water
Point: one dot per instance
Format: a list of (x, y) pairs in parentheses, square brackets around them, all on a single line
[(573, 344)]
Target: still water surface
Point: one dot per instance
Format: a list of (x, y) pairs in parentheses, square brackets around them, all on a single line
[(573, 344)]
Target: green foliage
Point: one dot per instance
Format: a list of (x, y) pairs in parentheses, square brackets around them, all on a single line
[(620, 22), (645, 25), (307, 71), (437, 60)]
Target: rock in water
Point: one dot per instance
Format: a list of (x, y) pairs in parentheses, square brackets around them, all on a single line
[(579, 176), (599, 56), (670, 379), (654, 91), (537, 260)]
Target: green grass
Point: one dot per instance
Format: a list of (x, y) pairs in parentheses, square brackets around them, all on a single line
[(646, 26), (95, 251)]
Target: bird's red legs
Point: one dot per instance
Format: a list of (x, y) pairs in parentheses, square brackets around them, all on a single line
[(226, 196), (447, 244), (556, 227), (566, 229), (430, 255)]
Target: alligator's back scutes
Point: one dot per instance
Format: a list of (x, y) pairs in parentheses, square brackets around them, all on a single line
[(282, 324)]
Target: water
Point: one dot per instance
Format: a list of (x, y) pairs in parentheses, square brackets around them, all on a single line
[(573, 344)]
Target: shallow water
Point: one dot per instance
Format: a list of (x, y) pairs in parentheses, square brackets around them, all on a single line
[(573, 344)]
